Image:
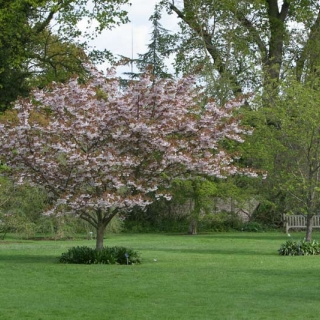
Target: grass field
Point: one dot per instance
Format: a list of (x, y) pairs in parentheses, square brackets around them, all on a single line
[(214, 276)]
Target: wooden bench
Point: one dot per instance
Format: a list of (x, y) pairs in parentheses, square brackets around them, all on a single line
[(299, 221)]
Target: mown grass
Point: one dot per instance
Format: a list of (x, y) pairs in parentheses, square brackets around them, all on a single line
[(213, 276)]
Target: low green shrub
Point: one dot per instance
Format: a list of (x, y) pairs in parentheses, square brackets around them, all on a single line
[(300, 248), (155, 227), (107, 255), (252, 227), (80, 255)]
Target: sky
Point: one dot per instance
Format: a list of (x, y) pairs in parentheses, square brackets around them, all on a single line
[(133, 36)]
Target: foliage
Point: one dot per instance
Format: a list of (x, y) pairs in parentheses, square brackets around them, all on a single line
[(255, 46), (252, 227), (192, 200), (17, 223), (196, 202), (300, 248), (149, 223), (299, 136), (80, 255), (159, 49), (295, 172), (113, 255), (22, 199), (39, 41), (220, 222), (269, 213), (160, 216), (196, 196), (100, 150), (158, 226), (20, 208), (116, 225), (285, 143), (240, 46)]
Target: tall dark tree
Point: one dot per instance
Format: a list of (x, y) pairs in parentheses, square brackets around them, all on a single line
[(158, 49), (161, 45), (246, 45)]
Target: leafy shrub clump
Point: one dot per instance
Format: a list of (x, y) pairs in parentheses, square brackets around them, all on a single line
[(300, 248), (112, 255), (252, 227)]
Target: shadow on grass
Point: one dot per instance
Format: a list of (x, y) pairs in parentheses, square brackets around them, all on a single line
[(299, 274), (254, 236), (224, 251), (241, 235), (23, 258), (276, 237)]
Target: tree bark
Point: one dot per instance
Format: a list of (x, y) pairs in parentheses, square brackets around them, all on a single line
[(277, 36), (309, 227), (99, 220), (100, 236), (193, 227)]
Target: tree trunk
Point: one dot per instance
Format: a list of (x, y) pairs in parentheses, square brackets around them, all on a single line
[(276, 42), (309, 227), (100, 236), (193, 227)]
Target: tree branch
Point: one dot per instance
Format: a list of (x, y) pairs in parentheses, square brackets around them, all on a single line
[(313, 36), (41, 26), (254, 33), (202, 33)]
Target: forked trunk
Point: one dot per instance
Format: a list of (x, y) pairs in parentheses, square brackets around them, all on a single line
[(103, 219), (100, 236), (309, 227)]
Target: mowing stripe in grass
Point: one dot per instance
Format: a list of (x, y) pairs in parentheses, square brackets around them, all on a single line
[(213, 276)]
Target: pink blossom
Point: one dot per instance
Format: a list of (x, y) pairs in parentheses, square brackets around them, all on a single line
[(100, 149)]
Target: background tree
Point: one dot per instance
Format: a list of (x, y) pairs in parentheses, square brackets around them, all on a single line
[(256, 46), (286, 144), (300, 161), (42, 37), (161, 45), (200, 194), (247, 44), (100, 150), (20, 208)]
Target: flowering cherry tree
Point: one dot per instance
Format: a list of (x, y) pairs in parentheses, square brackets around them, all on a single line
[(100, 149)]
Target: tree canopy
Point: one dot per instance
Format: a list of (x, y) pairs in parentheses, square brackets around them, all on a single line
[(99, 149), (246, 45), (40, 40)]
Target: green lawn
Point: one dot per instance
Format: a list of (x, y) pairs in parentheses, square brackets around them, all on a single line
[(213, 276)]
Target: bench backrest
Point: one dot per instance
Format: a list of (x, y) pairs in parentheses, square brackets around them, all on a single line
[(299, 221)]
